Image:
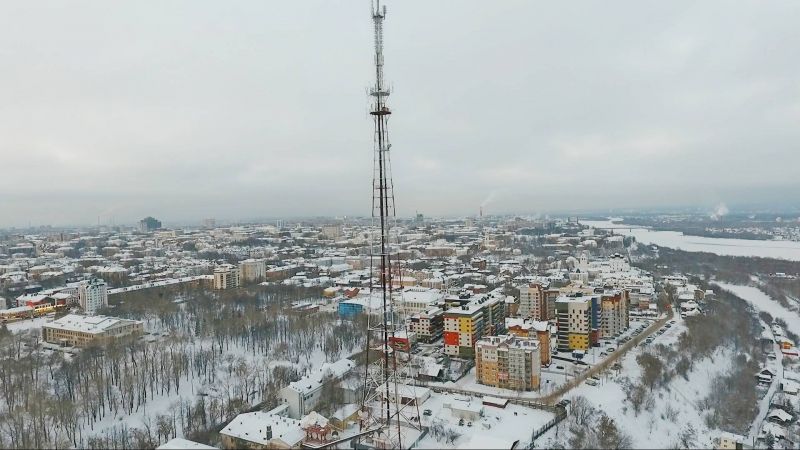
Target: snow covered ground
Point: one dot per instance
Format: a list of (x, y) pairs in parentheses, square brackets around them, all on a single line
[(763, 302), (674, 406)]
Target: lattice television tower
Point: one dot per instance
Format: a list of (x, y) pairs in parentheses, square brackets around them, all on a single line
[(386, 378)]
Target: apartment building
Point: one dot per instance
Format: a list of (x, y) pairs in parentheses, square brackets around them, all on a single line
[(428, 325), (463, 326), (508, 362), (80, 331), (93, 295), (226, 276), (252, 270), (574, 320), (534, 329), (614, 318), (533, 302)]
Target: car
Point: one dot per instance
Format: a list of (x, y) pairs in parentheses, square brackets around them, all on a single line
[(427, 412), (669, 326), (603, 354), (772, 356), (595, 377), (672, 321), (591, 382), (610, 349), (560, 367)]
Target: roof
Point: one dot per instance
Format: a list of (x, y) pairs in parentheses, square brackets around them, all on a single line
[(252, 427), (183, 444), (314, 380), (88, 324)]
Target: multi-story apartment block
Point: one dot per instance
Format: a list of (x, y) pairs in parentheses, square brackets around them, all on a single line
[(463, 326), (535, 329), (508, 362), (428, 325), (93, 295), (574, 320), (533, 302), (252, 270), (614, 317), (80, 331), (226, 276)]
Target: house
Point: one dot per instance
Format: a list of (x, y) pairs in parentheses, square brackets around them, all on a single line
[(262, 430), (780, 416), (790, 387), (345, 416), (765, 376), (730, 441)]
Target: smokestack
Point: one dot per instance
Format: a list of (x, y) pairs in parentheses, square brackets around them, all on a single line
[(481, 215)]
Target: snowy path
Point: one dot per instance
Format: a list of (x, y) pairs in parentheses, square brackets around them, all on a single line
[(763, 405)]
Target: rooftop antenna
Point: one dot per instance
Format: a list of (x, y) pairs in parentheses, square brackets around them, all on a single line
[(386, 379)]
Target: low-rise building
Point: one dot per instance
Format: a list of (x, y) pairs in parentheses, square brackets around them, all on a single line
[(303, 395), (80, 331), (263, 430)]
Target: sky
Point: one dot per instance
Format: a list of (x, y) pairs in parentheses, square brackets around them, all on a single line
[(183, 110)]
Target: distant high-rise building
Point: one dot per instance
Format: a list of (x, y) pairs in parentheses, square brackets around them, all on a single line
[(149, 224), (93, 295), (209, 223)]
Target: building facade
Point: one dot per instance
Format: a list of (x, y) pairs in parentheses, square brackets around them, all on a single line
[(508, 362), (226, 276), (533, 302), (574, 320), (252, 270), (428, 325)]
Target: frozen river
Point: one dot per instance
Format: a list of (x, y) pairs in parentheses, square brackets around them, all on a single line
[(727, 247)]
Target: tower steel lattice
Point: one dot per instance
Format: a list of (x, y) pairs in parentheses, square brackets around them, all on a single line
[(387, 381)]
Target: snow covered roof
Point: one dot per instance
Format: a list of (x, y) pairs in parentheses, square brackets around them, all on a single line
[(779, 414), (314, 380), (183, 444), (313, 419), (87, 324), (254, 427)]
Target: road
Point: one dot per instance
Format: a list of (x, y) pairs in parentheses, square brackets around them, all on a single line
[(556, 395), (763, 405)]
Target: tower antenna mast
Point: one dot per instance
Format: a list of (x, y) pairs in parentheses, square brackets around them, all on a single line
[(386, 380)]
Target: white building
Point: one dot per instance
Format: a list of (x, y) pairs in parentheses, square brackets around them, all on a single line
[(303, 395), (93, 295), (226, 276)]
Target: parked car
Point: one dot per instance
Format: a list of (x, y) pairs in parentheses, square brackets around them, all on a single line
[(610, 349), (603, 354), (591, 382)]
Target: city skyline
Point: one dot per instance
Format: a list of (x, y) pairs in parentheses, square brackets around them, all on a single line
[(193, 110)]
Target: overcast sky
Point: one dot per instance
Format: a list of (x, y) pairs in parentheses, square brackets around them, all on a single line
[(243, 109)]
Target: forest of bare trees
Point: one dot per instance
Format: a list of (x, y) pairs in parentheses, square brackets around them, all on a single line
[(209, 358)]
